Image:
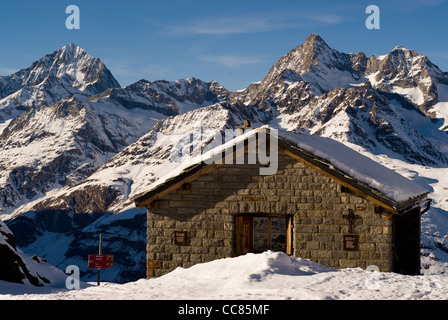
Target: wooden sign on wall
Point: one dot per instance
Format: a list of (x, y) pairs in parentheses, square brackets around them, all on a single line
[(351, 242), (180, 238)]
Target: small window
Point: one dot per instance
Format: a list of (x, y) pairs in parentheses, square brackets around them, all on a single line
[(261, 233)]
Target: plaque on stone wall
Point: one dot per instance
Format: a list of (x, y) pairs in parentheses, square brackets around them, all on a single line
[(180, 238), (351, 242)]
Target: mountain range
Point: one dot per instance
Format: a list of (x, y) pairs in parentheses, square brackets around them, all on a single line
[(75, 146)]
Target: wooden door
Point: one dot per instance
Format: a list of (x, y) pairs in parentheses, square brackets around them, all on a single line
[(243, 235)]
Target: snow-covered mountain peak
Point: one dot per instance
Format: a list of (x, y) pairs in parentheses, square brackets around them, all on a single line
[(68, 70), (72, 48), (409, 74), (166, 97), (70, 63), (71, 51), (316, 44), (401, 48), (318, 64)]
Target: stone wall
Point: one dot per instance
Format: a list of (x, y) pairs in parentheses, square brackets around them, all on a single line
[(206, 208)]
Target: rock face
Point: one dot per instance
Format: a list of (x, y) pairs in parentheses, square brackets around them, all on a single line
[(377, 103), (319, 65), (12, 266), (167, 98), (60, 145), (406, 72)]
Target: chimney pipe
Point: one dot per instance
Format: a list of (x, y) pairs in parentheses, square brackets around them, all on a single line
[(241, 129)]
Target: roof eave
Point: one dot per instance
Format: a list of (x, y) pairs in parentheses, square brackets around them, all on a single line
[(343, 177)]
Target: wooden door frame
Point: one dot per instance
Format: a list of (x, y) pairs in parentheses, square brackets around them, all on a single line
[(244, 233)]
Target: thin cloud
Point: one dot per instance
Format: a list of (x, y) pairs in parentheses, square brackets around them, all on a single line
[(327, 19), (413, 5), (233, 25), (233, 61), (255, 23)]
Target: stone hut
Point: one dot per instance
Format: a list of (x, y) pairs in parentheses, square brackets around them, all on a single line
[(324, 202)]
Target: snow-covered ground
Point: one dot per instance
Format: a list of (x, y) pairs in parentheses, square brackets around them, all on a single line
[(266, 276)]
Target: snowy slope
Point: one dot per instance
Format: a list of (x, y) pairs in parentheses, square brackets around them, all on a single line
[(49, 147), (440, 109), (365, 117), (407, 73), (266, 276)]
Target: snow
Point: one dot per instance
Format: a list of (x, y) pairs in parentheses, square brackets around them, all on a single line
[(358, 166), (380, 57), (61, 135), (399, 48), (264, 276), (4, 125), (413, 94), (441, 108), (37, 268)]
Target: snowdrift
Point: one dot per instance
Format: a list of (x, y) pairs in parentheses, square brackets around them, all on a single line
[(266, 276)]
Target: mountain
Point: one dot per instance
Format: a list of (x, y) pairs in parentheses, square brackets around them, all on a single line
[(78, 127), (75, 215), (165, 97), (49, 147), (385, 104), (69, 70), (406, 72), (322, 67), (101, 148)]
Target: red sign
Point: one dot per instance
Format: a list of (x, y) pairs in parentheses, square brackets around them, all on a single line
[(101, 261)]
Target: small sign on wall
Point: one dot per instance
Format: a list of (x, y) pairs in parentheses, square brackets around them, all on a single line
[(180, 238), (351, 242)]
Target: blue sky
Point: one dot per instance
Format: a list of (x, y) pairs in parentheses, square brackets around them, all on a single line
[(232, 42)]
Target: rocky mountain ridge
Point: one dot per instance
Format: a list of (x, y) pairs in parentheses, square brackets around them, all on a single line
[(167, 98), (377, 102)]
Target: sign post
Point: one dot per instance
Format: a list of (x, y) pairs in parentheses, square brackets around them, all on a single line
[(101, 261), (100, 252)]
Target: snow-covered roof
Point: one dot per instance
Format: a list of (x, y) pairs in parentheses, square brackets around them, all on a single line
[(354, 165), (348, 165)]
